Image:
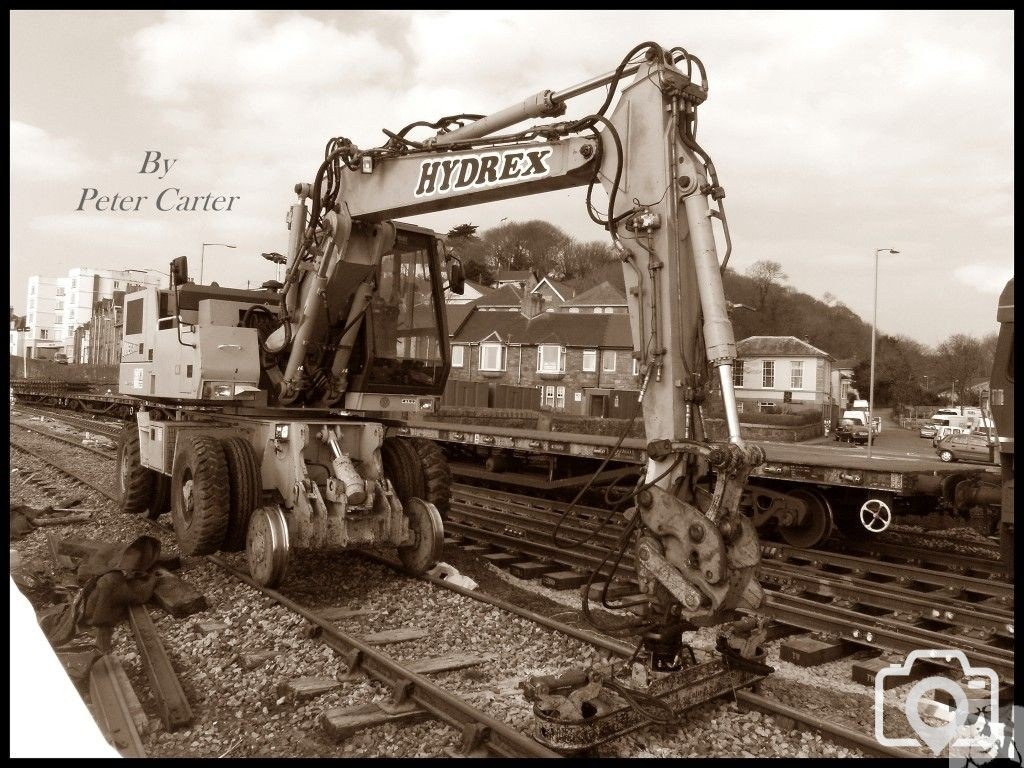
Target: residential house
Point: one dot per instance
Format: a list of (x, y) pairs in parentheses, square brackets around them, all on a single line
[(554, 294), (470, 293), (603, 298), (581, 364), (515, 277), (507, 298), (774, 373), (842, 381)]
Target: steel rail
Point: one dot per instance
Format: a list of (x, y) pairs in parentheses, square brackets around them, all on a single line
[(105, 454), (420, 689), (807, 614), (478, 728), (872, 630), (922, 575)]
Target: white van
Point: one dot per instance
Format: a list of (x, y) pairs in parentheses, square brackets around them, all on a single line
[(947, 430)]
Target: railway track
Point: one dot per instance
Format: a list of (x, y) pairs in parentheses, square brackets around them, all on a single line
[(864, 601), (480, 732), (106, 428)]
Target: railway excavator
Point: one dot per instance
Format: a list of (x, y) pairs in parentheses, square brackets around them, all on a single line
[(269, 419)]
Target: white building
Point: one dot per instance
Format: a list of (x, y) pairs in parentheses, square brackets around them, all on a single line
[(776, 371), (56, 306)]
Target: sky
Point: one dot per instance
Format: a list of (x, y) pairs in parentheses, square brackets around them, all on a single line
[(834, 134)]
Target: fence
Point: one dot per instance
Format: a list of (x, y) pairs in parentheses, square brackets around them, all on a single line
[(482, 394)]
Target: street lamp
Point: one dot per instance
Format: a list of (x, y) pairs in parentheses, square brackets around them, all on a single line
[(874, 323), (202, 257)]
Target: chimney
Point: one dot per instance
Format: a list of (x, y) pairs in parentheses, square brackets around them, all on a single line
[(533, 305)]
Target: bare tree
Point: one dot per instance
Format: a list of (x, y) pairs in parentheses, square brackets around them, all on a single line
[(962, 358), (765, 274)]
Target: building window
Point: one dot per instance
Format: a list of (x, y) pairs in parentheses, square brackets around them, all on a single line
[(60, 319), (636, 367), (60, 291), (589, 360), (768, 374), (492, 357), (766, 407), (549, 397), (796, 375), (597, 310), (43, 333), (608, 310), (737, 374), (550, 358), (74, 284), (739, 406), (609, 362), (560, 398), (458, 355), (574, 310), (117, 285)]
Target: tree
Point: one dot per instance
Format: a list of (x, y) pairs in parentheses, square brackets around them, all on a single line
[(536, 245), (468, 246), (765, 274), (961, 359), (580, 260)]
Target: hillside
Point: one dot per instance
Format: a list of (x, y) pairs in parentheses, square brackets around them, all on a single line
[(787, 312)]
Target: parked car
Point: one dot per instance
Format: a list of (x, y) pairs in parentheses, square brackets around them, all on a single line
[(942, 432), (966, 446), (851, 431), (60, 358), (927, 431)]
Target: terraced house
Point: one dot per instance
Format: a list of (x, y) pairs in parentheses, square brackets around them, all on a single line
[(580, 364)]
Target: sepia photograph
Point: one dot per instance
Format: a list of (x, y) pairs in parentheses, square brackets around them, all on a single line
[(512, 383)]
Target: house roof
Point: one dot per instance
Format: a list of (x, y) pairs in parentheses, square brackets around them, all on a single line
[(777, 346), (456, 315), (602, 294), (563, 290), (483, 290), (589, 331), (506, 296)]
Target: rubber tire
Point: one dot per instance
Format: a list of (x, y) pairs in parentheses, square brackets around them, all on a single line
[(947, 456), (203, 456), (437, 475), (246, 490), (161, 497), (402, 468), (135, 487)]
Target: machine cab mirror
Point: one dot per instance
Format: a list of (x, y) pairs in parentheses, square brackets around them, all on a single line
[(456, 277), (179, 271)]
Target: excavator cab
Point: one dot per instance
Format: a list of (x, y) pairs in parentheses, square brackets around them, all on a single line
[(403, 345)]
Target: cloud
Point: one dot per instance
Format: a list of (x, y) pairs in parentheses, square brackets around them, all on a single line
[(231, 52), (117, 227), (987, 278), (38, 156)]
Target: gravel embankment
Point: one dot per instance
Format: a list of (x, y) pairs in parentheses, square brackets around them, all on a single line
[(240, 711)]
